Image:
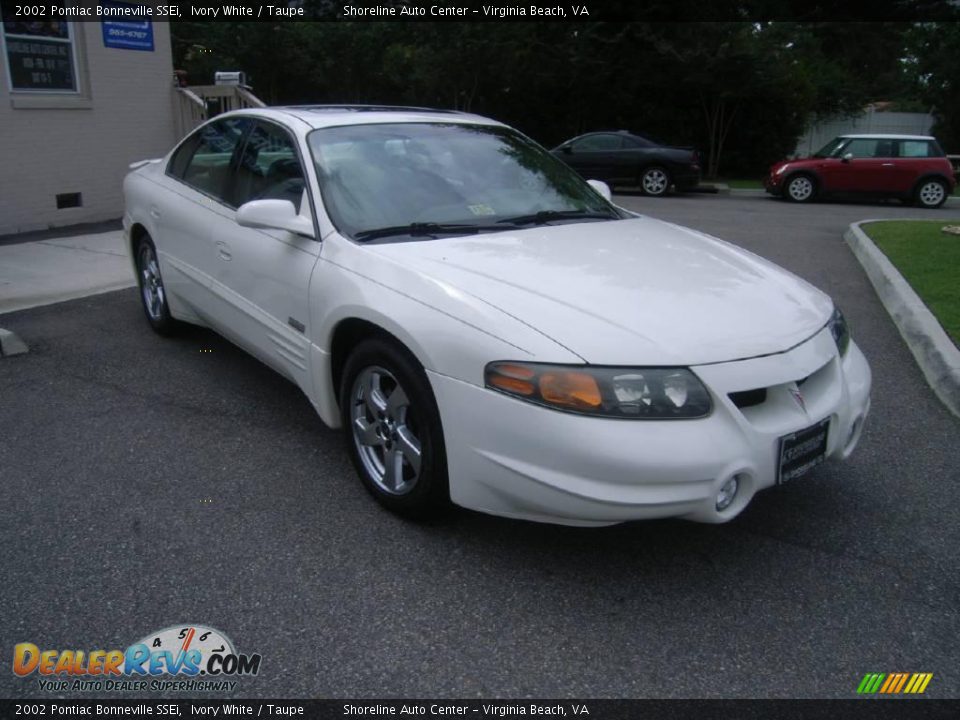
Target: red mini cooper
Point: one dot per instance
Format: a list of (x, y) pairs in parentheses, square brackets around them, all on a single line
[(910, 167)]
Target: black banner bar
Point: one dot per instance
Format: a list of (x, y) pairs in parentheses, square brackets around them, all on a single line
[(405, 709), (481, 10)]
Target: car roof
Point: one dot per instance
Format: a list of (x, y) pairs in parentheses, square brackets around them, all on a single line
[(888, 136), (319, 116)]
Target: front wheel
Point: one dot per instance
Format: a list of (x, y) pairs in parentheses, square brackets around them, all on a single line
[(931, 194), (655, 181), (800, 189), (153, 295), (394, 435)]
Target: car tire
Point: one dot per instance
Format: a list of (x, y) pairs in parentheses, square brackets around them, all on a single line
[(655, 181), (800, 188), (931, 193), (394, 440), (153, 294)]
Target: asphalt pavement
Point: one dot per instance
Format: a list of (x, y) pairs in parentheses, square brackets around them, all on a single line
[(150, 482)]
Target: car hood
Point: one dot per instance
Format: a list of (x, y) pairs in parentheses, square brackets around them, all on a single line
[(628, 292)]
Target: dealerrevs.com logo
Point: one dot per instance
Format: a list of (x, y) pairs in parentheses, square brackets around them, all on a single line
[(179, 658)]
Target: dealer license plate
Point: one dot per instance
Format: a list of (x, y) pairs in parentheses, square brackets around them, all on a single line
[(802, 451)]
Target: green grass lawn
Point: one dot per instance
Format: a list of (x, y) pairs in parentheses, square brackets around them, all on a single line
[(929, 260), (743, 184)]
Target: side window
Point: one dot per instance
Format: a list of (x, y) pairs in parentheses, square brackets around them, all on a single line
[(41, 56), (915, 149), (636, 142), (597, 143), (862, 148), (268, 167), (204, 160), (886, 149)]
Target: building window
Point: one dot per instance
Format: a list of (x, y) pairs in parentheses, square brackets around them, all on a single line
[(40, 56)]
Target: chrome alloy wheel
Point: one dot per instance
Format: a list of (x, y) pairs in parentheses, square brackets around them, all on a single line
[(931, 194), (800, 188), (655, 181), (151, 286), (384, 431)]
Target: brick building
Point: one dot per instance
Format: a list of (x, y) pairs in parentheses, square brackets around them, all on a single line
[(79, 101)]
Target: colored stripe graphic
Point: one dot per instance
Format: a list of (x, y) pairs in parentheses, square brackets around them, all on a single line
[(918, 683), (894, 683), (870, 683)]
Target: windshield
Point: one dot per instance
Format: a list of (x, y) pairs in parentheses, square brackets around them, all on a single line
[(396, 179), (832, 148)]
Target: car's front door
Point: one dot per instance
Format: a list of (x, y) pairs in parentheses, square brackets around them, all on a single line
[(866, 165), (263, 276), (196, 183)]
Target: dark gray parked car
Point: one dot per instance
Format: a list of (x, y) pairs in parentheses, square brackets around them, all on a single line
[(622, 158)]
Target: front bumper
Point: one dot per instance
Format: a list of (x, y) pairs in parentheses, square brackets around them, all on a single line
[(511, 458), (773, 184)]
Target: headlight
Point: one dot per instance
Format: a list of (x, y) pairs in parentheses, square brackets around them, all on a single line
[(779, 170), (840, 331), (628, 393)]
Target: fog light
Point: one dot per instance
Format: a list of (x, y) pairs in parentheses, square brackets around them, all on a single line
[(727, 493)]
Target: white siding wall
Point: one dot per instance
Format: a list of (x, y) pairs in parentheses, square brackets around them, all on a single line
[(819, 133), (125, 113)]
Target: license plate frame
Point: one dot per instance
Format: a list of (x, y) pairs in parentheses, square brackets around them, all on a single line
[(810, 446)]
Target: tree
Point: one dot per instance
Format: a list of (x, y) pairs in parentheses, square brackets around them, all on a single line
[(935, 63)]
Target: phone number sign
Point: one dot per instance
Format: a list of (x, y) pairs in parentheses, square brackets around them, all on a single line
[(128, 35)]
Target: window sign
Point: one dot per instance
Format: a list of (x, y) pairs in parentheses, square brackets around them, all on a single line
[(127, 35), (40, 56)]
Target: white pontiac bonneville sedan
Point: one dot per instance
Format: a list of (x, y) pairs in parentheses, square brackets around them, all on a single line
[(489, 328)]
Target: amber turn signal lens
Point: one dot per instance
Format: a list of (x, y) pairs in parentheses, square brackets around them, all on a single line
[(570, 389), (512, 385), (511, 378), (515, 371)]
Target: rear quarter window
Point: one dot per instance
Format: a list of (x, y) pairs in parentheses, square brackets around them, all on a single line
[(918, 149)]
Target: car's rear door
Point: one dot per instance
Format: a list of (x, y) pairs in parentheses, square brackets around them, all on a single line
[(195, 187), (262, 277)]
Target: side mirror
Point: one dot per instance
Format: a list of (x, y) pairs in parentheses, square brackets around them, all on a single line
[(602, 189), (847, 157), (566, 150), (274, 215)]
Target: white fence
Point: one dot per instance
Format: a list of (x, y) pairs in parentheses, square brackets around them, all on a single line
[(819, 133)]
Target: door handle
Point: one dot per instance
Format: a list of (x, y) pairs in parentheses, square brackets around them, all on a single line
[(223, 250), (889, 165)]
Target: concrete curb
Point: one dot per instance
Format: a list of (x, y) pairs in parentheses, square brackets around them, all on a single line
[(10, 344), (934, 351)]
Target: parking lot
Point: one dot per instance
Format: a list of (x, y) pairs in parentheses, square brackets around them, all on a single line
[(151, 482)]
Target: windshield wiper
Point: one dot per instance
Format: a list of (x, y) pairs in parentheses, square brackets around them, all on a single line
[(421, 229), (545, 216)]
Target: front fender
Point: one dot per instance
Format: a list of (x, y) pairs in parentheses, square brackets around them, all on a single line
[(450, 333)]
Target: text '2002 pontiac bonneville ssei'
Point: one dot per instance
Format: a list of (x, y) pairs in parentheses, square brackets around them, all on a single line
[(488, 328)]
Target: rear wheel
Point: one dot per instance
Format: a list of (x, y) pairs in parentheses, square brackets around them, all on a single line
[(394, 435), (931, 194), (153, 295), (655, 181), (800, 189)]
